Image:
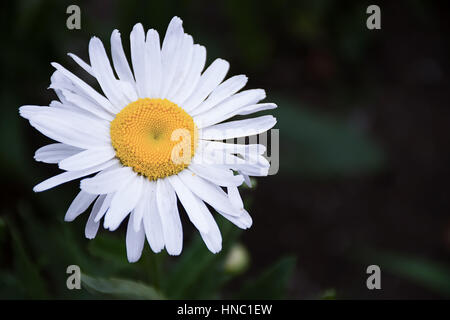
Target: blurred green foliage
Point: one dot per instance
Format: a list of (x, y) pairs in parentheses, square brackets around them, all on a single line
[(317, 146), (418, 270)]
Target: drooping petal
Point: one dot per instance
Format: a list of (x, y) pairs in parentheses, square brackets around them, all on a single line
[(152, 221), (243, 221), (166, 200), (212, 238), (206, 191), (235, 197), (90, 231), (81, 202), (189, 203), (104, 207), (141, 207), (123, 202), (135, 241), (247, 180)]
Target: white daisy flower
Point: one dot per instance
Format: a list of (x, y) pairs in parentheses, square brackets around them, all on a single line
[(148, 141)]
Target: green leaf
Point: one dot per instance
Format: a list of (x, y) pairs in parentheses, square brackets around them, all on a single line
[(328, 294), (272, 282), (25, 268), (315, 145), (109, 248), (199, 273), (120, 288)]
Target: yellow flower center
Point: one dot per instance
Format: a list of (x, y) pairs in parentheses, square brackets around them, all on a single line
[(155, 137)]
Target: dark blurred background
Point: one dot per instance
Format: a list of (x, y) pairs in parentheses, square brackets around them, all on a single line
[(364, 163)]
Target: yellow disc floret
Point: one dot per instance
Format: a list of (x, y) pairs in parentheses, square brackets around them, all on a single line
[(155, 137)]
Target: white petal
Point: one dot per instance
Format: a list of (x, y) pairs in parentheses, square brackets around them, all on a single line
[(28, 111), (104, 74), (90, 231), (107, 182), (87, 159), (82, 64), (119, 59), (212, 238), (87, 105), (189, 203), (166, 200), (238, 128), (223, 91), (235, 197), (186, 51), (220, 176), (128, 90), (229, 107), (208, 192), (209, 80), (55, 152), (123, 202), (135, 241), (58, 81), (71, 128), (153, 64), (232, 148), (98, 98), (81, 202), (137, 46), (171, 53), (104, 207), (256, 108), (244, 221), (71, 175), (141, 207), (247, 180), (193, 76), (152, 220), (253, 167)]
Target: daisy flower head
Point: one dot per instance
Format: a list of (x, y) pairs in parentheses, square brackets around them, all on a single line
[(155, 136)]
